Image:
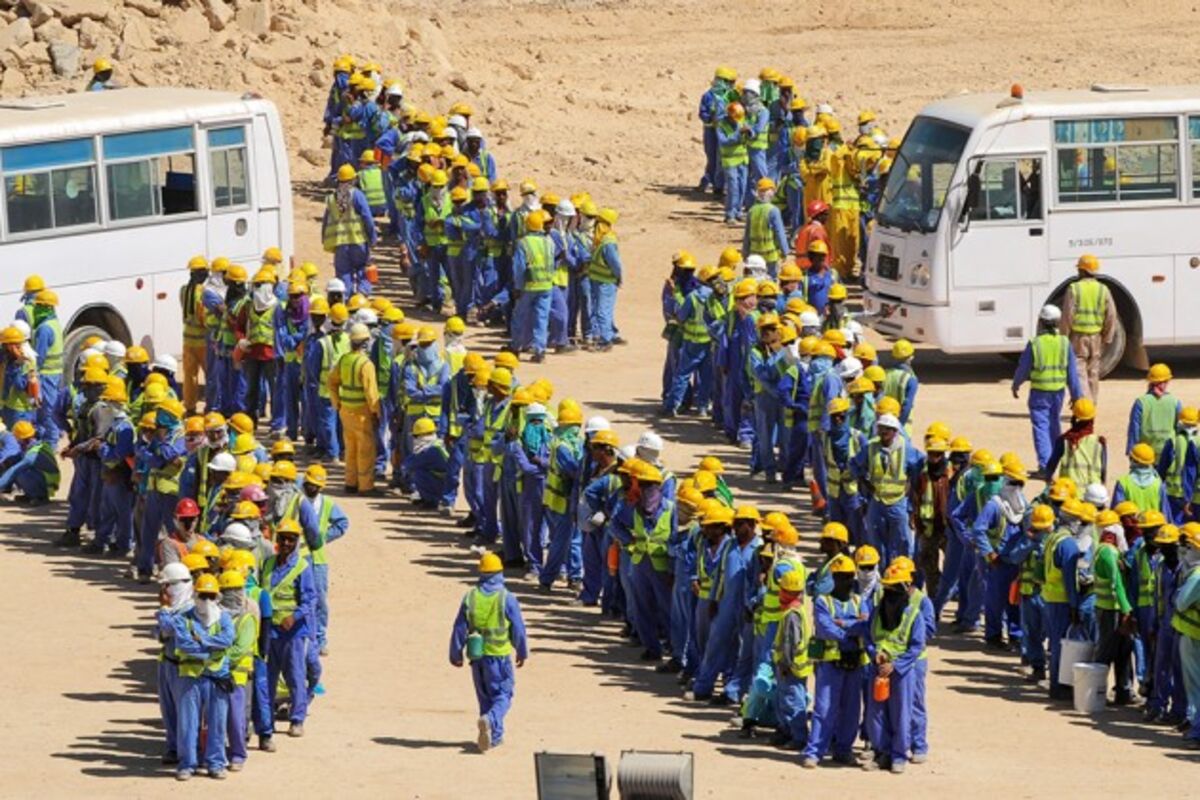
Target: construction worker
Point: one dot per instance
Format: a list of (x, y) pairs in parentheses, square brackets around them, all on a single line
[(1178, 465), (191, 301), (22, 389), (1065, 548), (765, 235), (843, 184), (321, 364), (36, 474), (650, 523), (694, 361), (763, 366), (489, 630), (232, 315), (1048, 363), (212, 297), (533, 274), (370, 180), (354, 393), (790, 658), (245, 614), (839, 631), (321, 521), (1079, 452), (1001, 522), (348, 231), (757, 135), (1186, 622), (47, 341), (115, 522), (1089, 318), (605, 275), (901, 383), (825, 386), (886, 465), (288, 580), (561, 497), (102, 74), (732, 133), (426, 465), (336, 106), (599, 484), (712, 111), (291, 330), (1168, 699), (423, 380), (166, 456), (1114, 613), (929, 501), (434, 209), (1142, 484), (1153, 415), (896, 644), (815, 169), (258, 344), (1028, 551)]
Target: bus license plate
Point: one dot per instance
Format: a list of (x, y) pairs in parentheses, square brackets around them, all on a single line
[(888, 267)]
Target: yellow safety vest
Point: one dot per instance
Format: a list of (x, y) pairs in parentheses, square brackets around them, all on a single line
[(889, 481), (485, 615), (539, 262), (1082, 461), (1090, 300), (798, 665), (1051, 356), (351, 391), (342, 229), (762, 236)]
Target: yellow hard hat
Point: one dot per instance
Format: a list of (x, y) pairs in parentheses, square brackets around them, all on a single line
[(288, 527), (866, 556), (316, 475), (490, 563), (12, 335), (836, 531), (730, 257), (231, 579), (455, 325), (24, 430), (1042, 518), (137, 354), (608, 216), (346, 173), (726, 73), (768, 320), (608, 439), (33, 284), (1159, 373), (705, 481), (688, 496), (712, 464), (775, 520), (273, 255), (1189, 416), (236, 273), (204, 547), (172, 407), (356, 302), (786, 535), (865, 351), (535, 220), (426, 335), (764, 185), (791, 582), (423, 427), (114, 390), (569, 412), (283, 470), (718, 515), (789, 273), (319, 305), (338, 313), (500, 377), (219, 264), (101, 65), (993, 469), (746, 287), (835, 336), (960, 444), (896, 574), (842, 564), (46, 297), (1083, 409), (1063, 489), (207, 584), (1142, 454), (888, 405), (1088, 263), (458, 194), (245, 509), (838, 405), (937, 445), (439, 178), (875, 374), (1153, 518), (902, 349), (819, 246), (241, 422), (506, 359), (861, 385), (195, 562), (243, 444), (1169, 534)]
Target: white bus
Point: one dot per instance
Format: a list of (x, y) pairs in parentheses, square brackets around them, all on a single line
[(107, 195), (993, 198)]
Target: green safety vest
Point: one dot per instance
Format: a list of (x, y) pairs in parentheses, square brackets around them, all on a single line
[(342, 229), (1054, 589), (652, 542), (285, 595), (1090, 300), (1104, 587), (770, 610), (695, 327), (1158, 420), (370, 181), (351, 391), (1051, 354), (1144, 497), (194, 667), (1147, 578), (732, 155), (817, 401), (888, 481), (798, 665), (260, 326), (838, 480), (703, 577), (1180, 446), (319, 556), (761, 139), (52, 366), (194, 319), (1186, 621), (598, 269), (762, 236), (18, 399), (539, 262), (225, 330), (435, 219), (1082, 461), (895, 384), (485, 615), (828, 649), (47, 464), (431, 409), (895, 641), (165, 480), (556, 493), (333, 347), (1031, 576), (245, 625)]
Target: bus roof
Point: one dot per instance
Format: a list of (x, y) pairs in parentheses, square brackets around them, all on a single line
[(1100, 100), (32, 119)]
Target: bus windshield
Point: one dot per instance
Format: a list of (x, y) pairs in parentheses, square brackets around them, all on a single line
[(919, 178)]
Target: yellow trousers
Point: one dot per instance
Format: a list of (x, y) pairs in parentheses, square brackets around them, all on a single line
[(843, 240), (193, 362), (358, 430)]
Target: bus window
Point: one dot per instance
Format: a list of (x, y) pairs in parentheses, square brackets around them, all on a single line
[(227, 158), (151, 173), (1010, 189), (920, 177), (1194, 140), (1119, 160), (49, 185)]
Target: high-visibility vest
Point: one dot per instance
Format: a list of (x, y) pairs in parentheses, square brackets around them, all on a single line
[(352, 393), (890, 480), (829, 649), (797, 665), (557, 489), (333, 347), (319, 556), (494, 423), (704, 578), (433, 408), (895, 384), (47, 465), (165, 480), (761, 139), (1144, 497), (1186, 621), (1051, 355), (598, 268), (817, 401), (837, 479), (895, 641), (1082, 461), (52, 366), (342, 228), (1158, 420), (1031, 574), (434, 217), (370, 181), (841, 179), (1090, 300), (260, 326), (652, 542), (539, 262), (1179, 450), (194, 318), (285, 595), (486, 615), (762, 235), (493, 245), (770, 610), (16, 399), (1147, 578), (1104, 588), (193, 666), (695, 327), (247, 622), (732, 155), (1054, 589)]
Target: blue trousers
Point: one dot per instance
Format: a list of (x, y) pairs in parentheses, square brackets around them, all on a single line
[(562, 530), (847, 509), (510, 519), (1045, 413), (652, 596), (494, 684), (670, 364), (693, 359), (236, 728), (1147, 625), (47, 428), (628, 590), (837, 709), (970, 589), (536, 317), (328, 438), (1058, 622), (83, 498), (116, 516), (889, 724), (579, 300), (461, 272), (1168, 696), (712, 163), (474, 480), (758, 169), (796, 452), (558, 317), (816, 457), (889, 526), (683, 620), (262, 714), (531, 513), (735, 191), (603, 307), (791, 706), (454, 471), (159, 514), (321, 582), (288, 656), (491, 502), (431, 277), (198, 699), (168, 681), (1189, 662), (595, 566), (766, 429), (1175, 510), (1033, 630), (743, 669), (951, 565), (998, 613), (285, 402), (212, 377)]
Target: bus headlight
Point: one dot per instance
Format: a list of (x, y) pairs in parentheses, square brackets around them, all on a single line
[(919, 276)]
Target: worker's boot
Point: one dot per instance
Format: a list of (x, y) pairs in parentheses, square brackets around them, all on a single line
[(818, 499), (69, 539), (266, 744)]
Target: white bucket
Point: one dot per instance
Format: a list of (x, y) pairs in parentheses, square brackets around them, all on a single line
[(1091, 687), (1074, 652)]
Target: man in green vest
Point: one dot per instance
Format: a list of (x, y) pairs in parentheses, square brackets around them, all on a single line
[(321, 521), (1153, 416), (47, 340), (247, 621), (789, 656), (532, 276), (36, 472), (1186, 622), (287, 578), (348, 231), (1080, 453), (434, 208), (1089, 318), (765, 235), (1142, 484), (490, 630), (562, 495), (605, 275), (650, 523), (732, 137), (258, 356), (1179, 466), (1048, 363), (195, 348), (1114, 612), (370, 181), (887, 466)]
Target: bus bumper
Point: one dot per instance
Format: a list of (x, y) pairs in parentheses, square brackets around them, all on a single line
[(897, 319)]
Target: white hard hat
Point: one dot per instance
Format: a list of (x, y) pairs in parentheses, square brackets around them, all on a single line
[(419, 136), (166, 362), (753, 85), (335, 285), (395, 91), (853, 330), (114, 349), (650, 441), (880, 137), (888, 421), (824, 108), (91, 351), (809, 319), (474, 133), (1096, 494), (175, 572), (23, 327), (222, 462), (359, 332), (366, 316), (849, 368), (1050, 313), (627, 452), (595, 424), (457, 121), (565, 208), (756, 262), (236, 533), (535, 409)]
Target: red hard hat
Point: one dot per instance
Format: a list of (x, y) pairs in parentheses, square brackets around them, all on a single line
[(817, 207), (187, 508), (254, 494)]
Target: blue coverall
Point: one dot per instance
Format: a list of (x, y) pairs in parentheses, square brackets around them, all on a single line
[(568, 453), (287, 651), (890, 724), (998, 573), (339, 524), (1045, 408)]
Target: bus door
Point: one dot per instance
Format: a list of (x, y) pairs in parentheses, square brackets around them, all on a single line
[(1002, 241), (232, 221)]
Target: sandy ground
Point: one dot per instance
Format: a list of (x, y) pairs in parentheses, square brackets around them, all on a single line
[(397, 721)]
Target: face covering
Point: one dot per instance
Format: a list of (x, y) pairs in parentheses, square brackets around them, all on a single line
[(1118, 534), (651, 498), (791, 354), (864, 129), (529, 202), (892, 607), (1143, 475), (813, 148), (427, 356), (1170, 553), (865, 579), (423, 443), (232, 600), (990, 488), (843, 584), (936, 469), (207, 610), (1014, 502), (535, 437), (180, 596)]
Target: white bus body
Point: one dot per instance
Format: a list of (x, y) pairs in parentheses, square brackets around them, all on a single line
[(1111, 171), (107, 195)]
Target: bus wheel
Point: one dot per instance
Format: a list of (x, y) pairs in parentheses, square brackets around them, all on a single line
[(73, 345), (1114, 351)]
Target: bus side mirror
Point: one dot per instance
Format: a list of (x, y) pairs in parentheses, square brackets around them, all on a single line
[(973, 186)]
